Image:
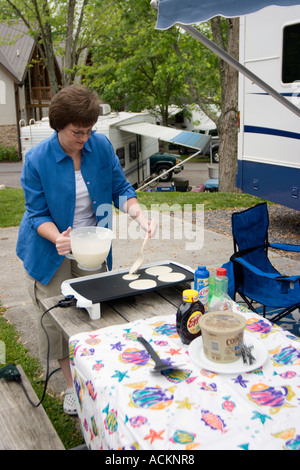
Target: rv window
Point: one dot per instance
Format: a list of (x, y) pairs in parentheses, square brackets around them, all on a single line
[(121, 154), (291, 53), (139, 141), (132, 151)]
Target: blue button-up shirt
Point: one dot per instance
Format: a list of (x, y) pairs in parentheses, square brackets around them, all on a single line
[(48, 180)]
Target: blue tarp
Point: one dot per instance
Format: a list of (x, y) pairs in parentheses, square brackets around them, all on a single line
[(196, 11)]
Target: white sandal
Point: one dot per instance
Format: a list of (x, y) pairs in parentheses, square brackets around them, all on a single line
[(70, 405)]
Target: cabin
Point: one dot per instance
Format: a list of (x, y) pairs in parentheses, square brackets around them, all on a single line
[(25, 91)]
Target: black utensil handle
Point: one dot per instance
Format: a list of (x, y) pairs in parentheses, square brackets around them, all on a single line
[(149, 348)]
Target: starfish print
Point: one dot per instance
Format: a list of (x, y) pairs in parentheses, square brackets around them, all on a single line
[(120, 375), (185, 404), (257, 415), (244, 446), (118, 346), (239, 380), (174, 351), (154, 435)]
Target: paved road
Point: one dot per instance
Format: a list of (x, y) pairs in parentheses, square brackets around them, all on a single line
[(195, 172), (10, 174)]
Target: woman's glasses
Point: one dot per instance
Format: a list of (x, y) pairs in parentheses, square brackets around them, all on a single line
[(79, 133)]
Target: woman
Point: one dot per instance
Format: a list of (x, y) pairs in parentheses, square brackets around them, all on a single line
[(66, 179)]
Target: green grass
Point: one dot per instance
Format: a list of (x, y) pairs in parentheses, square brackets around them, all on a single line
[(12, 202), (200, 158), (211, 201), (12, 207), (17, 354)]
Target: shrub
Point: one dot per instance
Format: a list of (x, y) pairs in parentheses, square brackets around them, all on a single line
[(9, 154)]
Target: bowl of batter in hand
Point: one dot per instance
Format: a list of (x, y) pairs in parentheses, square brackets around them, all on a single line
[(90, 246)]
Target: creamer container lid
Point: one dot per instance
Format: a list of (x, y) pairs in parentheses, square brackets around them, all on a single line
[(190, 295), (222, 322)]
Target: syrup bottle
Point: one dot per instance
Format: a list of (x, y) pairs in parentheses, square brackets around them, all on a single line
[(188, 316)]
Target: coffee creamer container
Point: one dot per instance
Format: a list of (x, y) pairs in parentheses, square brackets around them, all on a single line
[(188, 316), (222, 336)]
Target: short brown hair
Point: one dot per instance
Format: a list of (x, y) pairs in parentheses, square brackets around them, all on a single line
[(74, 104)]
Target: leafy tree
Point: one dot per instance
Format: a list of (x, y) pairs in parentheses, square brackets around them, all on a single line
[(135, 67), (138, 67), (225, 33), (66, 28)]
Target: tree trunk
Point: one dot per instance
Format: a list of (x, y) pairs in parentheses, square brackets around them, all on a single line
[(228, 128), (68, 62)]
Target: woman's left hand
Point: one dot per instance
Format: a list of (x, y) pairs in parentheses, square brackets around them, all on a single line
[(63, 242)]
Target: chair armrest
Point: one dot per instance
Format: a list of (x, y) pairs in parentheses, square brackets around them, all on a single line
[(261, 273), (285, 247)]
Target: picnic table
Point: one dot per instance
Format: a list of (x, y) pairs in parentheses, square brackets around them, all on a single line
[(122, 405)]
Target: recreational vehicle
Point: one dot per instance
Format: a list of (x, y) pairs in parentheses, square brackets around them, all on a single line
[(269, 137), (133, 150), (134, 136)]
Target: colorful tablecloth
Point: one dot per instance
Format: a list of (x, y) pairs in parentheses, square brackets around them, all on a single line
[(122, 405)]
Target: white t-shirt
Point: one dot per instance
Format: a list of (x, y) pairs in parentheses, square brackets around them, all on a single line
[(84, 214)]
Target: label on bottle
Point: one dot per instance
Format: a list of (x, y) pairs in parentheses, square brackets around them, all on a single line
[(203, 290), (193, 322)]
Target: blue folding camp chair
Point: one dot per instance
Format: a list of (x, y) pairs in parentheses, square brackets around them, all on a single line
[(255, 278)]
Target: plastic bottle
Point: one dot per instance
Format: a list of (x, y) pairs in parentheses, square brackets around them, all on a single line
[(201, 285), (220, 300), (188, 316), (211, 288)]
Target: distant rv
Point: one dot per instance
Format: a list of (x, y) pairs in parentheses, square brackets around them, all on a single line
[(133, 150), (135, 138), (269, 137)]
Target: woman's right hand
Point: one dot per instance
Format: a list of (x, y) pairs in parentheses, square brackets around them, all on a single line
[(63, 242)]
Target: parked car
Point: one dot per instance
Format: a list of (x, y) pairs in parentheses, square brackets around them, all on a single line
[(214, 143), (160, 162), (214, 149)]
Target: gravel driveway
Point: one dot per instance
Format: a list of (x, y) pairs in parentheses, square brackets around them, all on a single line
[(284, 225)]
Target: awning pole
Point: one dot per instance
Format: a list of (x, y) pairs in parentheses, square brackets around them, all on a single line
[(170, 169), (238, 66)]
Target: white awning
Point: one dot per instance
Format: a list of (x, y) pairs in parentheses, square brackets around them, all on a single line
[(168, 134)]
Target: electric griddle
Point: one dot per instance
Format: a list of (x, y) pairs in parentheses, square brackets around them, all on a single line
[(91, 291)]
